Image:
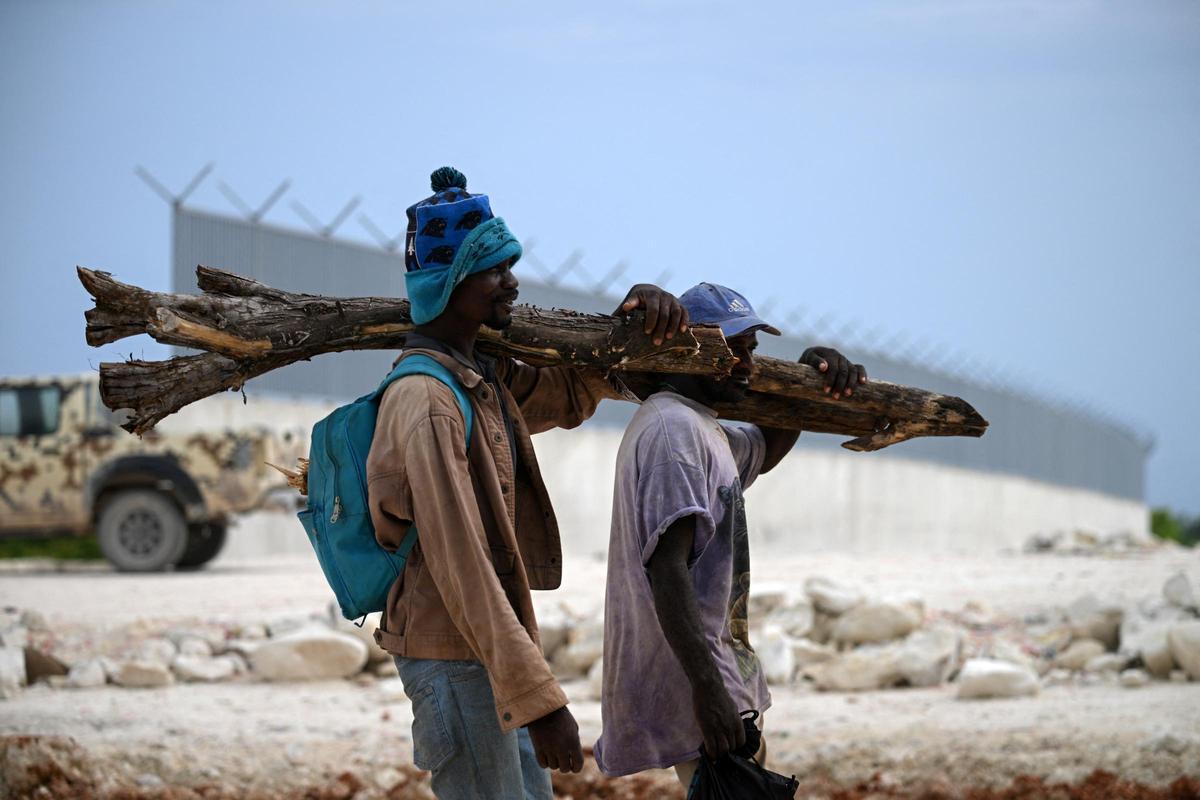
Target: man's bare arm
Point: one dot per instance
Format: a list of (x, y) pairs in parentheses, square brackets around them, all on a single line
[(841, 378), (679, 615), (779, 443)]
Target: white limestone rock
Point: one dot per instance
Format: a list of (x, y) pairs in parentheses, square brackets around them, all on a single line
[(1059, 677), (87, 674), (292, 623), (14, 635), (34, 620), (830, 597), (241, 665), (806, 652), (391, 690), (1005, 650), (1049, 637), (765, 599), (796, 618), (1106, 662), (595, 680), (1092, 619), (1157, 656), (928, 657), (1184, 640), (879, 621), (774, 649), (386, 669), (12, 670), (1078, 654), (822, 627), (1134, 678), (203, 669), (243, 647), (158, 650), (111, 666), (1146, 638), (364, 633), (554, 628), (585, 645), (1178, 591), (194, 647), (862, 669), (309, 654), (977, 615), (251, 632), (212, 634), (983, 678), (143, 675)]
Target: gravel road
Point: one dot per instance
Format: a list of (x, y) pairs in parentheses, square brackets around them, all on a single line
[(279, 738)]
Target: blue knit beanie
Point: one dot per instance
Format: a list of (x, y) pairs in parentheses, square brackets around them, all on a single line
[(451, 235)]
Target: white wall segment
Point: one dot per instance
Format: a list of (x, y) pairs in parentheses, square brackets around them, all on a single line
[(815, 500)]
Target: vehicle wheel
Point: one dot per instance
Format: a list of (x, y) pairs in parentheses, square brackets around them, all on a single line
[(140, 530), (203, 544)]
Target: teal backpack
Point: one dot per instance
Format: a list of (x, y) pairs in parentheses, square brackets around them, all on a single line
[(337, 520)]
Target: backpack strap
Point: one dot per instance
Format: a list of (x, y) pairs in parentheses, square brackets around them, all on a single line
[(421, 364)]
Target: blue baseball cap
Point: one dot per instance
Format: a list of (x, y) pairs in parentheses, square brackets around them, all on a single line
[(710, 304)]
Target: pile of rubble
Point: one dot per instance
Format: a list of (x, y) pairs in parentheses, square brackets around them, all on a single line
[(834, 637), (146, 655), (825, 636), (1085, 542), (837, 638)]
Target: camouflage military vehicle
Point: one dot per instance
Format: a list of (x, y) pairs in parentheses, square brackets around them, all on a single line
[(159, 502)]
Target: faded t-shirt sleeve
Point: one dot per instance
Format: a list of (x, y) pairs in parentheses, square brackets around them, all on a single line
[(749, 448), (672, 484)]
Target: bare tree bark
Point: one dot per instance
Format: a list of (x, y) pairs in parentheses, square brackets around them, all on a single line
[(246, 329)]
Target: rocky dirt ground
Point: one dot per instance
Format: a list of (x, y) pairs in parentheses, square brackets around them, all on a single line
[(1081, 735)]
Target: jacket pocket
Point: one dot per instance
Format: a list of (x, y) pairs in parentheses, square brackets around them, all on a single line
[(432, 743)]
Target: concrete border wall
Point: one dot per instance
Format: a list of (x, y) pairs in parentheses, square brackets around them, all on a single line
[(816, 500), (820, 500)]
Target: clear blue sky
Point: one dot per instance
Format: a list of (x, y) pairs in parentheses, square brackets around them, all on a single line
[(1020, 180)]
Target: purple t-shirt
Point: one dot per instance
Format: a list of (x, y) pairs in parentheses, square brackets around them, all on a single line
[(675, 461)]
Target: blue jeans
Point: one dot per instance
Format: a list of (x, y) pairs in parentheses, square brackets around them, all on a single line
[(457, 737)]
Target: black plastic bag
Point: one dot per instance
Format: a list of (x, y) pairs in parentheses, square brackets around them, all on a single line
[(737, 776)]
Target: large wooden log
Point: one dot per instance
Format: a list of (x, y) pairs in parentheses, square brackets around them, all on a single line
[(246, 328)]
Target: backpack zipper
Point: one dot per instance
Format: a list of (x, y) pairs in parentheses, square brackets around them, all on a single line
[(337, 509)]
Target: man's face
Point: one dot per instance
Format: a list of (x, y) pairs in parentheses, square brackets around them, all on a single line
[(487, 297), (734, 388)]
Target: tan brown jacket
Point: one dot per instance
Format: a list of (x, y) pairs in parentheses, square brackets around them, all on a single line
[(486, 530)]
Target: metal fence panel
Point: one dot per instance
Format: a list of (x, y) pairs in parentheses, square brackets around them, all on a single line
[(1031, 437)]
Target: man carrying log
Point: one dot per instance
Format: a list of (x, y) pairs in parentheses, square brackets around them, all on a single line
[(678, 665), (488, 715)]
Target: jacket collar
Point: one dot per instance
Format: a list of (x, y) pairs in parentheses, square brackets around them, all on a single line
[(458, 364)]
